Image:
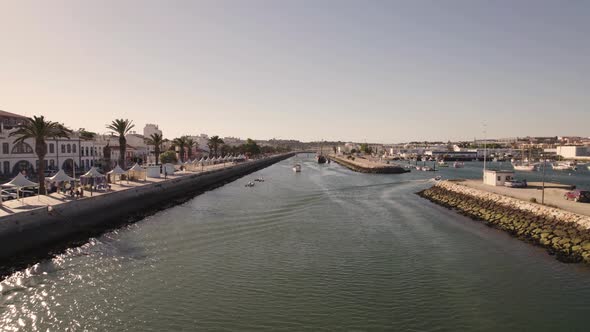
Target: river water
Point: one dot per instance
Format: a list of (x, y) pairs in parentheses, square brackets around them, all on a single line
[(326, 249)]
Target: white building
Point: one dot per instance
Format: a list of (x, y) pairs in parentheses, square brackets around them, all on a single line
[(497, 178), (151, 129), (573, 151)]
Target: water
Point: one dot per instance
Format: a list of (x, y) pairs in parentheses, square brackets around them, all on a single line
[(326, 249)]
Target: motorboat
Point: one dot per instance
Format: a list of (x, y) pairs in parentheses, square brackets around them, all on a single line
[(437, 178), (297, 168), (525, 167), (458, 164), (259, 180), (321, 159), (564, 166), (426, 168), (442, 163), (249, 184)]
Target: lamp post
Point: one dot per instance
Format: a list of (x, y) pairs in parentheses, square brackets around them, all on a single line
[(543, 186)]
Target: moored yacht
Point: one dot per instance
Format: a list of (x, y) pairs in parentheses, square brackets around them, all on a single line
[(297, 168), (458, 164)]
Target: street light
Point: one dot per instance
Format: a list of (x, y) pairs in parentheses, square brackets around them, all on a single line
[(543, 186)]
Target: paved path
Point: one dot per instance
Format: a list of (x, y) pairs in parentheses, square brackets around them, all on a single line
[(36, 202), (553, 194)]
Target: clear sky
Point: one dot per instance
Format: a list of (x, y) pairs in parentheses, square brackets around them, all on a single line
[(375, 71)]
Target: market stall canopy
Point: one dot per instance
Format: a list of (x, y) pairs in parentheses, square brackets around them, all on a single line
[(137, 168), (60, 176), (20, 181), (93, 173), (117, 171)]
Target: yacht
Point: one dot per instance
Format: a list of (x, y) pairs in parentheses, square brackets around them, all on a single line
[(442, 164), (568, 166), (528, 168), (297, 168)]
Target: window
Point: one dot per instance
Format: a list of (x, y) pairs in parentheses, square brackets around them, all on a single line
[(63, 148), (51, 148), (74, 148), (22, 148), (5, 148), (69, 148), (499, 178), (52, 163), (6, 167), (87, 154)]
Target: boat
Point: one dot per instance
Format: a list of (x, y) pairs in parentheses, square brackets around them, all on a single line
[(458, 164), (442, 164), (259, 180), (426, 168), (588, 167), (528, 168), (249, 184), (437, 178), (568, 166), (321, 159), (297, 168)]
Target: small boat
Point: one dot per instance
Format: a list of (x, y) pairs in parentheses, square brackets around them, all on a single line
[(321, 159), (528, 168), (426, 168), (437, 178), (249, 184), (458, 164), (588, 167), (259, 180), (297, 168), (564, 167), (442, 164)]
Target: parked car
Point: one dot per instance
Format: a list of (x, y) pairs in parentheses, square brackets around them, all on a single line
[(516, 184), (8, 194), (577, 195)]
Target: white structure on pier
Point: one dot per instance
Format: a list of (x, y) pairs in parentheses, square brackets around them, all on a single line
[(497, 178)]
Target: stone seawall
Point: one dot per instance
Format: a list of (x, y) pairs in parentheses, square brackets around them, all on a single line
[(562, 233), (42, 230), (389, 169)]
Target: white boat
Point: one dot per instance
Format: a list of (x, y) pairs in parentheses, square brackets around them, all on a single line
[(426, 168), (588, 167), (297, 168), (442, 163), (528, 168), (564, 166), (458, 164)]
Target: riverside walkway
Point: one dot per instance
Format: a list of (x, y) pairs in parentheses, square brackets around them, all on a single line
[(44, 201), (553, 194)]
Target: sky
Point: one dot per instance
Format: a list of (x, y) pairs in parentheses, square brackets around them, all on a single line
[(365, 71)]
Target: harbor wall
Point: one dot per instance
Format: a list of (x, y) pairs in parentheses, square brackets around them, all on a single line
[(564, 234), (393, 169), (38, 230)]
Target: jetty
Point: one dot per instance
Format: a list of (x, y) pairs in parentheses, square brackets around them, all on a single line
[(37, 224), (564, 232), (363, 165)]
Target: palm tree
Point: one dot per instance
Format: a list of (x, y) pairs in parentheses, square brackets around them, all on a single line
[(214, 143), (156, 140), (180, 142), (121, 127), (40, 130), (190, 144)]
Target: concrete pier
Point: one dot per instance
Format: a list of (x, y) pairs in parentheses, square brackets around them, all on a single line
[(367, 166), (38, 229)]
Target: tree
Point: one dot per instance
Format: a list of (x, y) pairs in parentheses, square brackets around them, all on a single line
[(180, 143), (168, 157), (190, 144), (214, 143), (251, 147), (121, 127), (40, 130), (86, 135), (366, 148), (156, 140)]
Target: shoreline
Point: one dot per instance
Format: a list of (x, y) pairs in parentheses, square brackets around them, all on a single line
[(42, 232), (562, 233)]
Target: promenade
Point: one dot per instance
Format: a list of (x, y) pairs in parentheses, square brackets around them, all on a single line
[(43, 201), (553, 194)]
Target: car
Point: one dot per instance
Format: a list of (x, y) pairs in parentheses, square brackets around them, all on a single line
[(516, 183), (577, 195), (8, 194)]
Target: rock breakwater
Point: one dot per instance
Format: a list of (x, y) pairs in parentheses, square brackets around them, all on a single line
[(564, 234)]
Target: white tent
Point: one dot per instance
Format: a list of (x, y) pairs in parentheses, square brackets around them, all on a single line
[(117, 171), (93, 173), (138, 172), (60, 176), (19, 182)]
